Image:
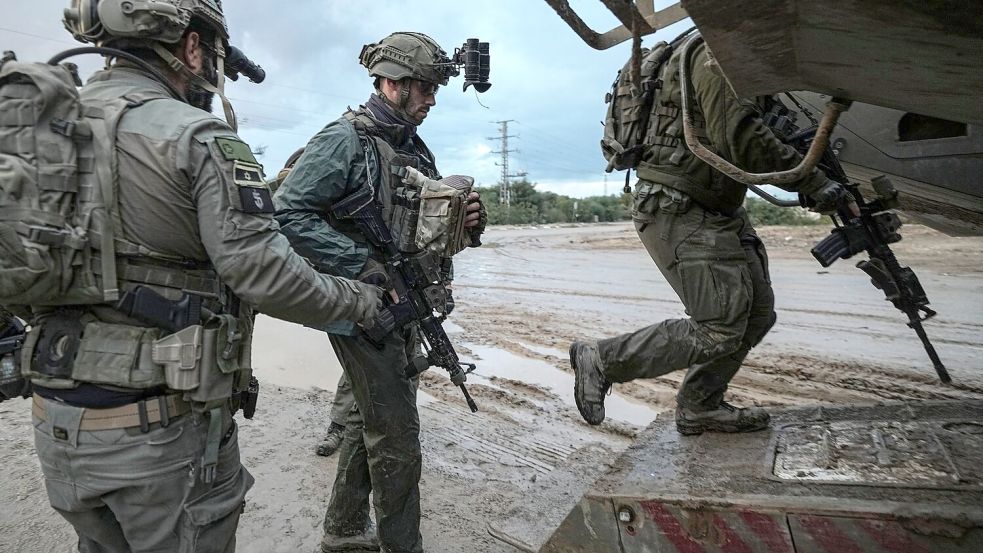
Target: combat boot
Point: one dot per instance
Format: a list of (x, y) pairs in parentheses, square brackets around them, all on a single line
[(725, 418), (332, 441), (589, 385), (365, 541)]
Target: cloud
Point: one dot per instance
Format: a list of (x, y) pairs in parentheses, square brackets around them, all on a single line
[(543, 76)]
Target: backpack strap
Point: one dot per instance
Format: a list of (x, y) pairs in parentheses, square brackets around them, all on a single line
[(104, 147)]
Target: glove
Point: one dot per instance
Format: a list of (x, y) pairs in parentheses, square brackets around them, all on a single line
[(389, 319), (476, 229), (828, 197), (375, 273)]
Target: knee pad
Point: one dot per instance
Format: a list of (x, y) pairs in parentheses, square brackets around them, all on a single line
[(758, 329)]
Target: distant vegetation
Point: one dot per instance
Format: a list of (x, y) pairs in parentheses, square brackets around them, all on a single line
[(763, 214), (531, 206)]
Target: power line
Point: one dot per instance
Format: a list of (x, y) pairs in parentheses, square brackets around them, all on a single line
[(42, 37), (505, 192)]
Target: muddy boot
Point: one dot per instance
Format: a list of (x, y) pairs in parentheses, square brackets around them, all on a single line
[(366, 541), (331, 441), (589, 386), (725, 418)]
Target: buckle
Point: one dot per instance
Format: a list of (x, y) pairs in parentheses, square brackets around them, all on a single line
[(63, 127)]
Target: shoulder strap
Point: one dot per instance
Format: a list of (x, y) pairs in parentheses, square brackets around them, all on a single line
[(104, 133)]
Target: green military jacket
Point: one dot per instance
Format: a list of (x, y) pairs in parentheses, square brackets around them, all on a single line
[(186, 192), (730, 126), (334, 165)]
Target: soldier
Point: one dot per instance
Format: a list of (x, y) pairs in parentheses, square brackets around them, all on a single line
[(341, 407), (134, 424), (690, 219), (367, 147)]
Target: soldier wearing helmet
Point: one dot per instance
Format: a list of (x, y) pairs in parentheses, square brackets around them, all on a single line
[(380, 452), (134, 399)]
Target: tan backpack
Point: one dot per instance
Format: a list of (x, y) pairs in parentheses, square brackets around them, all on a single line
[(58, 206)]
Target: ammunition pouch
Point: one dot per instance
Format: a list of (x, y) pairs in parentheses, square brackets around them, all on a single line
[(405, 218)]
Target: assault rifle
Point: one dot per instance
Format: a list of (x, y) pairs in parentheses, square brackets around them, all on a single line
[(12, 335), (417, 283), (872, 231)]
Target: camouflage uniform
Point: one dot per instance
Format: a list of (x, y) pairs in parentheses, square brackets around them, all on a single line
[(381, 449), (689, 218), (180, 198)]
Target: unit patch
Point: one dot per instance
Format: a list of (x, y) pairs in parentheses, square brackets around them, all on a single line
[(247, 175), (235, 150), (254, 195)]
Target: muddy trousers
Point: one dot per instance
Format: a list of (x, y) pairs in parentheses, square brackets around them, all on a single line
[(343, 402), (718, 267), (380, 452), (125, 491)]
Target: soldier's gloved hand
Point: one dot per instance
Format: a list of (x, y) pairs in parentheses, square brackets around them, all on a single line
[(375, 273), (477, 218), (830, 196), (389, 319)]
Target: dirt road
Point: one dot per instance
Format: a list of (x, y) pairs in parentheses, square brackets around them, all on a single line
[(525, 458)]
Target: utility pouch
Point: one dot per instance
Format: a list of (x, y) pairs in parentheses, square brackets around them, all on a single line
[(111, 354), (443, 208), (180, 354)]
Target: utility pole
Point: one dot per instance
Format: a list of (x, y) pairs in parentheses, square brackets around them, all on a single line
[(505, 191)]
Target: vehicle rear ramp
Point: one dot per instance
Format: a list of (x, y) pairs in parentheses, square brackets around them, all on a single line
[(903, 477)]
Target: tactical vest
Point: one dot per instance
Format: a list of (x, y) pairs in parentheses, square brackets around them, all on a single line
[(116, 343), (384, 163)]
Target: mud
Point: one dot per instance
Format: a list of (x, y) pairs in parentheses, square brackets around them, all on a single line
[(526, 457)]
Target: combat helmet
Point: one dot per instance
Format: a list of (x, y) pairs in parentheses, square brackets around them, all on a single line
[(414, 55), (156, 23), (107, 22)]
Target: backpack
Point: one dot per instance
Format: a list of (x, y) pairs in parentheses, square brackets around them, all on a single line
[(57, 196), (629, 109)]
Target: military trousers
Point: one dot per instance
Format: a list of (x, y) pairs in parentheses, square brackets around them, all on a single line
[(344, 401), (380, 452), (126, 491), (718, 267)]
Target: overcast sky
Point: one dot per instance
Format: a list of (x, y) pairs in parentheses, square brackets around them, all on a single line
[(543, 77)]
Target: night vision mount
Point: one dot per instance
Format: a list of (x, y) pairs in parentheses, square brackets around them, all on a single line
[(475, 58)]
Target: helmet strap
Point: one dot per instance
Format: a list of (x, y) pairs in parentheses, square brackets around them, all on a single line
[(180, 67), (404, 94)]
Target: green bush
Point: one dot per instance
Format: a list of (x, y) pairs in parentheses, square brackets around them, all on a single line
[(530, 206), (763, 214)]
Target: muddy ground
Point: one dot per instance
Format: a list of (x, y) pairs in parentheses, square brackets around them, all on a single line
[(526, 457)]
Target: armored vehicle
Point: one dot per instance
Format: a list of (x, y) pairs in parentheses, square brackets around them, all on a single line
[(896, 477)]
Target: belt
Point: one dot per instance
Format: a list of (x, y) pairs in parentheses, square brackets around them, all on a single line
[(141, 414)]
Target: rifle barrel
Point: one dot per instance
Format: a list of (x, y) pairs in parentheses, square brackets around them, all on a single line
[(915, 322)]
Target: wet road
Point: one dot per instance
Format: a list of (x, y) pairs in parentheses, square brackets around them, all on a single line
[(572, 278)]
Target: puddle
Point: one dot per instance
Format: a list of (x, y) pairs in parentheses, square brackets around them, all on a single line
[(500, 363), (544, 350)]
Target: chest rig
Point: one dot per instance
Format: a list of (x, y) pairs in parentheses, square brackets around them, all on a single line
[(388, 152)]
